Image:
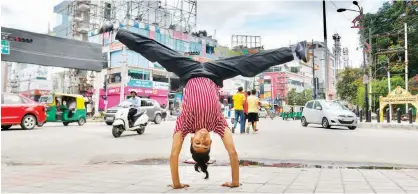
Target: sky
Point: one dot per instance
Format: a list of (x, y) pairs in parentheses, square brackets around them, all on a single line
[(278, 22)]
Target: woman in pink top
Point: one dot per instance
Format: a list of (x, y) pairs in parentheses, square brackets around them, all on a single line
[(201, 108)]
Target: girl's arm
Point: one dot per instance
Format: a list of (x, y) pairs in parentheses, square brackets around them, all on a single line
[(174, 160), (233, 157)]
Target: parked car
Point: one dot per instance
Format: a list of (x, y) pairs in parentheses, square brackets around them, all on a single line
[(19, 110), (327, 114), (154, 111)]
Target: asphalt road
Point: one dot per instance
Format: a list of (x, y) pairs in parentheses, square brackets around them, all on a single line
[(278, 140)]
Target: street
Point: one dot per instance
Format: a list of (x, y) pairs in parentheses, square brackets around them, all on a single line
[(277, 142)]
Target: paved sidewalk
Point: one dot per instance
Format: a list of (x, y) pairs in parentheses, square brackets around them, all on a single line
[(393, 125), (154, 179)]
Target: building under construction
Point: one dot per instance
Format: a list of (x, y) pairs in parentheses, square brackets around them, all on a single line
[(78, 18)]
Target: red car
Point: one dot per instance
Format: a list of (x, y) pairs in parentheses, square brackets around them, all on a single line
[(19, 110)]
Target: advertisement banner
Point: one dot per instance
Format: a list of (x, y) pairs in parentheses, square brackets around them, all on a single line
[(140, 83), (160, 85)]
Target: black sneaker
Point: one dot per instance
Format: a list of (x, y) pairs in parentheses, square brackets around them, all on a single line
[(302, 51), (107, 26)]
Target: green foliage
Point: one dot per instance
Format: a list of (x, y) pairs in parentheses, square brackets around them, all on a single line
[(390, 19), (360, 95), (380, 87), (347, 84), (299, 98), (413, 85)]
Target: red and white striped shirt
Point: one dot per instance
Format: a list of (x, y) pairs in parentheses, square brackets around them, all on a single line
[(201, 108)]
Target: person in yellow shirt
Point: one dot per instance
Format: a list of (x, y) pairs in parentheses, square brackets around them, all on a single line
[(253, 107), (238, 101)]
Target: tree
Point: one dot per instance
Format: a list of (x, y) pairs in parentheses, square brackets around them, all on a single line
[(299, 98), (380, 87), (359, 100), (347, 84), (413, 85), (388, 22)]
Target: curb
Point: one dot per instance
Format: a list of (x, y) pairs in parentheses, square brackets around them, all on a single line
[(390, 126)]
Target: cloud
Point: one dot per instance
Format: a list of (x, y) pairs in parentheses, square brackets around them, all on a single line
[(28, 14), (277, 22)]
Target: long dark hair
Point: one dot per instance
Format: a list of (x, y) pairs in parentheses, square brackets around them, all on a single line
[(201, 160)]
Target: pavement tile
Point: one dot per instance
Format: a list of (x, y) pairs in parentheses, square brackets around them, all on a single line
[(246, 188), (298, 191), (271, 189)]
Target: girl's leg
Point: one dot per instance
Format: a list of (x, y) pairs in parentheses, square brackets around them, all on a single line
[(156, 52), (249, 65), (252, 65)]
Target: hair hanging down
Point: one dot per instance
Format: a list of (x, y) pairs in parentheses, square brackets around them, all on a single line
[(201, 160)]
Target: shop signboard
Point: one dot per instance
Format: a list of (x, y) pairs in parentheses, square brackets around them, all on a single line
[(140, 83), (160, 85)]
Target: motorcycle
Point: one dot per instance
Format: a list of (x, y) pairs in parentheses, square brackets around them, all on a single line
[(121, 122)]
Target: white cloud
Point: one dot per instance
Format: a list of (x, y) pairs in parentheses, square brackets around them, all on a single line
[(228, 18)]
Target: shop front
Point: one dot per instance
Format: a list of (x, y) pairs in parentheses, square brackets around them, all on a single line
[(113, 95)]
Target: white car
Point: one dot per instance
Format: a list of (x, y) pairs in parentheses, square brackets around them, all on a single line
[(327, 114)]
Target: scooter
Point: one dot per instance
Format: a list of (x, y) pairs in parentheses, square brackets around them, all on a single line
[(121, 122)]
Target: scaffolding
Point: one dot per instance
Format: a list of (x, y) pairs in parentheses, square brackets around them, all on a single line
[(239, 42), (180, 15)]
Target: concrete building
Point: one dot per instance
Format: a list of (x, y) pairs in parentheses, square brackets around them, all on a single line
[(296, 74)]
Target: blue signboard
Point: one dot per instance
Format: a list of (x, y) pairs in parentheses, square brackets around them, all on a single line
[(140, 83)]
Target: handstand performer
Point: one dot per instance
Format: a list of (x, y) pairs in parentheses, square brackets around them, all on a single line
[(201, 108)]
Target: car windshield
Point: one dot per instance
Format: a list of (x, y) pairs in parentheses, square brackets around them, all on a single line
[(124, 104), (46, 99), (333, 105)]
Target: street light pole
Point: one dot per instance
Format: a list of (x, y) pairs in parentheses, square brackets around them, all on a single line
[(326, 49), (366, 79), (363, 42)]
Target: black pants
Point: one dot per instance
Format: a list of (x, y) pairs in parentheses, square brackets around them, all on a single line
[(131, 113), (219, 70)]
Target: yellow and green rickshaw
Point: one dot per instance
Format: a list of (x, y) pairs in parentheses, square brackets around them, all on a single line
[(65, 108)]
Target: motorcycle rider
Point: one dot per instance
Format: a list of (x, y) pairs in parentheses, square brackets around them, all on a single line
[(133, 110)]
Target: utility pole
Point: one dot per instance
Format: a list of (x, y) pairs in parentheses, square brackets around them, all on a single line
[(365, 79), (370, 69), (313, 70), (389, 90), (406, 61), (326, 49), (123, 74)]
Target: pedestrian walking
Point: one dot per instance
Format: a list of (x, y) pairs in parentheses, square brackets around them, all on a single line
[(238, 102), (248, 93), (200, 107), (253, 107)]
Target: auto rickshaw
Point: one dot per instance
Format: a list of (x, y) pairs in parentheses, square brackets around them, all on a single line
[(65, 108)]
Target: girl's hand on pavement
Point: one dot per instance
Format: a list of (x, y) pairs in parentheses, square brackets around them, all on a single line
[(231, 185), (179, 186)]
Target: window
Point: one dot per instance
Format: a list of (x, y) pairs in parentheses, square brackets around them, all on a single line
[(317, 105), (147, 103), (309, 104), (115, 78), (141, 75), (12, 99)]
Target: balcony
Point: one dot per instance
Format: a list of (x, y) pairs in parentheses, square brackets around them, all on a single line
[(83, 5)]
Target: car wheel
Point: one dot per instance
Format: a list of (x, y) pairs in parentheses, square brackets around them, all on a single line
[(28, 122), (141, 131), (116, 131), (325, 123), (6, 127), (65, 123), (81, 121), (157, 119), (109, 123), (352, 127), (40, 124), (303, 121)]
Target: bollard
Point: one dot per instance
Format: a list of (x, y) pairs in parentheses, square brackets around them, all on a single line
[(369, 116), (410, 115), (378, 115), (398, 115), (387, 115), (361, 115)]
